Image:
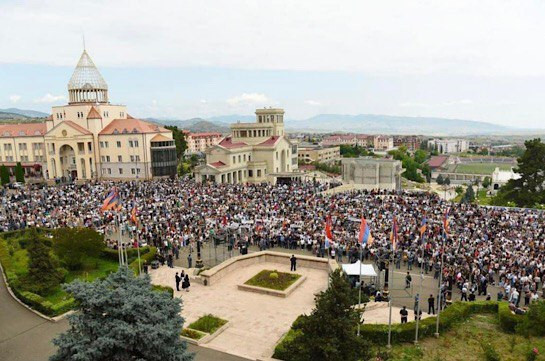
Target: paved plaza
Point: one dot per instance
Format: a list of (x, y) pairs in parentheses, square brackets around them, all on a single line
[(256, 321)]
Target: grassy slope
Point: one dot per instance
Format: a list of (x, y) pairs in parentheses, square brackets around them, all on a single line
[(480, 168), (464, 343)]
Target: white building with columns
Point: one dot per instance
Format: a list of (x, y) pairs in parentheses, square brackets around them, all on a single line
[(253, 153)]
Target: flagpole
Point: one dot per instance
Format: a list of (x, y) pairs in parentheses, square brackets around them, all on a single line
[(391, 281), (359, 291), (440, 293), (138, 249), (120, 244), (419, 298)]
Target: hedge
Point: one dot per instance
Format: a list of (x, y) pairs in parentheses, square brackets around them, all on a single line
[(42, 305), (378, 333), (159, 288), (132, 253), (147, 257), (508, 320)]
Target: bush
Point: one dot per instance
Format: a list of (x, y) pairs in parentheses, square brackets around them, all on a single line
[(160, 288), (508, 320), (4, 175), (193, 334), (534, 322), (273, 275), (207, 323), (455, 313), (132, 253), (74, 245), (147, 257), (280, 351)]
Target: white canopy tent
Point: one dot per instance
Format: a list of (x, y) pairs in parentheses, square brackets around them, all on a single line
[(353, 269)]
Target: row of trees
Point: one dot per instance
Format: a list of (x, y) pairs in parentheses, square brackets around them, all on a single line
[(354, 151), (416, 168), (5, 176)]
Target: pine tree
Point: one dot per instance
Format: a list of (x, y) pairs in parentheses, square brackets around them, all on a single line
[(4, 174), (122, 319), (19, 173), (43, 275), (329, 332)]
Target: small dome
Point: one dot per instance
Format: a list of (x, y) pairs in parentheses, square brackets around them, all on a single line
[(86, 75)]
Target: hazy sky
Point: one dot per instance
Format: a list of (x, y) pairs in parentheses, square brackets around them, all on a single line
[(481, 60)]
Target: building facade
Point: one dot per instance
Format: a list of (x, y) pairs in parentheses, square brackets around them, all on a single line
[(411, 142), (383, 142), (361, 140), (309, 153), (372, 173), (446, 146), (253, 153), (90, 138), (199, 142)]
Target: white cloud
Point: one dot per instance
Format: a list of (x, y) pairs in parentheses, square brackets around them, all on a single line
[(435, 105), (500, 38), (313, 102), (50, 98), (14, 98), (249, 99)]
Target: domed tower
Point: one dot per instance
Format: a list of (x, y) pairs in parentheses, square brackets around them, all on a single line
[(86, 84)]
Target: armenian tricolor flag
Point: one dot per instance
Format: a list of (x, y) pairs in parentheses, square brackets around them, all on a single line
[(134, 219), (446, 222), (328, 232), (394, 234), (423, 227), (112, 201), (365, 236)]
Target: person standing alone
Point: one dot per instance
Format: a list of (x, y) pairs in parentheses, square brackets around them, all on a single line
[(178, 280), (431, 305), (293, 262)]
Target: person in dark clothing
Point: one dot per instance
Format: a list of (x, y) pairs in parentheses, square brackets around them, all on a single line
[(145, 267), (189, 261), (178, 280), (293, 261), (185, 283), (408, 280), (404, 314), (431, 305)]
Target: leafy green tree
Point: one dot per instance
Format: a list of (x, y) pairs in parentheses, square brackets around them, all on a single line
[(447, 181), (329, 332), (4, 174), (459, 190), (440, 179), (420, 156), (122, 319), (179, 140), (469, 195), (487, 181), (19, 173), (74, 245), (528, 190), (43, 275)]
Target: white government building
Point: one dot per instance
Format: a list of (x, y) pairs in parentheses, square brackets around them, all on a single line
[(253, 153), (89, 138)]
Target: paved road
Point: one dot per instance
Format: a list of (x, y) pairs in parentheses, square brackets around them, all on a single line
[(24, 336)]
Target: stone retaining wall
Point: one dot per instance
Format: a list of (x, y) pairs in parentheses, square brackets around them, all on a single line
[(216, 273)]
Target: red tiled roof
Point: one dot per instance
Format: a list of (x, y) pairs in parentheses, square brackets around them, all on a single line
[(22, 130), (227, 142), (131, 125), (437, 161), (77, 127), (218, 164), (93, 114), (204, 135), (271, 141)]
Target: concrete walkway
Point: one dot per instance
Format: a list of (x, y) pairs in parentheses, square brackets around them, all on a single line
[(257, 321)]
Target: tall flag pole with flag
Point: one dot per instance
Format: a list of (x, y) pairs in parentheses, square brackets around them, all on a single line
[(423, 228), (112, 202), (328, 232), (134, 220), (440, 291), (364, 238), (393, 239)]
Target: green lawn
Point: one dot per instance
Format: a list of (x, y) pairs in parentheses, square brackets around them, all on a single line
[(480, 168), (196, 335), (207, 323), (465, 342), (14, 260), (273, 279)]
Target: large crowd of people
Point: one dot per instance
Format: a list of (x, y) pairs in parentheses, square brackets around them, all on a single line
[(484, 245)]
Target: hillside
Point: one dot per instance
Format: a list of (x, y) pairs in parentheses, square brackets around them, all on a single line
[(195, 125), (25, 113), (374, 124)]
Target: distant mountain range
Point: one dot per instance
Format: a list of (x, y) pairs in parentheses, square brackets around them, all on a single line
[(323, 123), (362, 123), (22, 113)]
